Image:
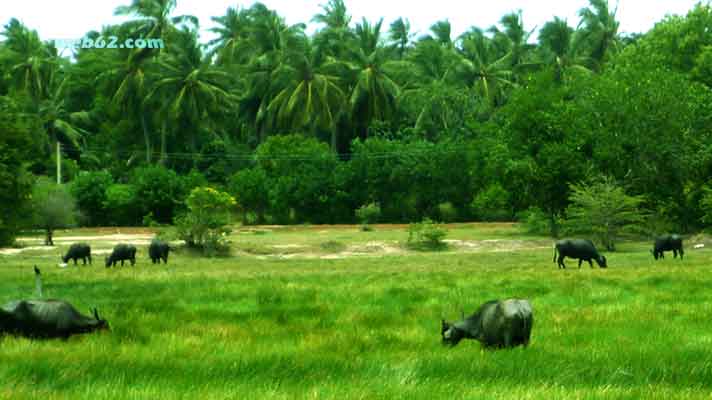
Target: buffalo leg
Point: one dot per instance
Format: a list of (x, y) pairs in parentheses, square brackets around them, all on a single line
[(561, 262), (681, 253), (580, 261), (590, 263)]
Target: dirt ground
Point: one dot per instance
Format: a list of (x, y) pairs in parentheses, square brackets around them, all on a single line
[(103, 240)]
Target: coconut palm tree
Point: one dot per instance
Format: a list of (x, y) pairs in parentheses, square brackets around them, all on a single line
[(335, 38), (599, 29), (307, 95), (482, 67), (560, 47), (400, 36), (373, 93), (31, 63), (233, 44), (197, 88)]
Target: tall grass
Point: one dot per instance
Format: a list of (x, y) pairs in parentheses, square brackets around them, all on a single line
[(367, 328)]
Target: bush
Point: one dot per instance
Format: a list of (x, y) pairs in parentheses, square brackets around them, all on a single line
[(492, 204), (447, 212), (706, 205), (537, 222), (121, 206), (604, 210), (204, 226), (89, 188), (249, 188), (158, 191), (426, 235), (368, 214)]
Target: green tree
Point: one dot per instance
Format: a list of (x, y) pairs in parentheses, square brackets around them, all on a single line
[(249, 188), (89, 190), (400, 36), (599, 31), (560, 47), (53, 207), (18, 148), (604, 210), (200, 90), (206, 222), (307, 96)]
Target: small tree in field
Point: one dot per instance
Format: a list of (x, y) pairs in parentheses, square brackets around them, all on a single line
[(204, 226), (368, 214), (604, 210), (53, 207)]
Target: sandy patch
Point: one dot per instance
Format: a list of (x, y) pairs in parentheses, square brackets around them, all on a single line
[(287, 246), (10, 252)]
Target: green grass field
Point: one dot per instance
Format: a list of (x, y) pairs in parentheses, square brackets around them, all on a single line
[(367, 327)]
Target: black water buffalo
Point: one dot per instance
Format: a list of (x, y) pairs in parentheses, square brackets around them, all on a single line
[(47, 319), (496, 324), (158, 250), (121, 252), (666, 243), (78, 251), (583, 249)]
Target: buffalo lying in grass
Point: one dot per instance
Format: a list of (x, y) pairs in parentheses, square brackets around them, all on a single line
[(78, 251), (667, 243), (496, 324), (583, 249), (47, 319), (158, 250), (121, 253)]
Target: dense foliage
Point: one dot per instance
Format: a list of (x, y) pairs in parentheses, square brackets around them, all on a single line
[(308, 128)]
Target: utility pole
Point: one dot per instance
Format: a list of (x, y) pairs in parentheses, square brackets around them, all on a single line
[(59, 164)]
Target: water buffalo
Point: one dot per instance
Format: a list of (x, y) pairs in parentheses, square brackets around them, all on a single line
[(496, 324), (78, 251), (583, 249), (158, 250), (666, 243), (46, 319), (121, 252)]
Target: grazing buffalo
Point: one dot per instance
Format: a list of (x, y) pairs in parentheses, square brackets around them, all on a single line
[(583, 249), (496, 324), (121, 252), (666, 243), (158, 250), (46, 319), (78, 251)]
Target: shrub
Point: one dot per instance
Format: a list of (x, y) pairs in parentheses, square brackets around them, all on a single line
[(204, 226), (249, 187), (604, 210), (447, 212), (368, 214), (426, 235), (492, 204), (121, 205), (537, 222), (706, 205), (89, 189), (158, 191)]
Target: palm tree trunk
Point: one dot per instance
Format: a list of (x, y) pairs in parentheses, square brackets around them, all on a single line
[(146, 137), (163, 143)]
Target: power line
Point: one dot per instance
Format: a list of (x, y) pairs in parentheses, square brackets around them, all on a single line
[(296, 157)]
